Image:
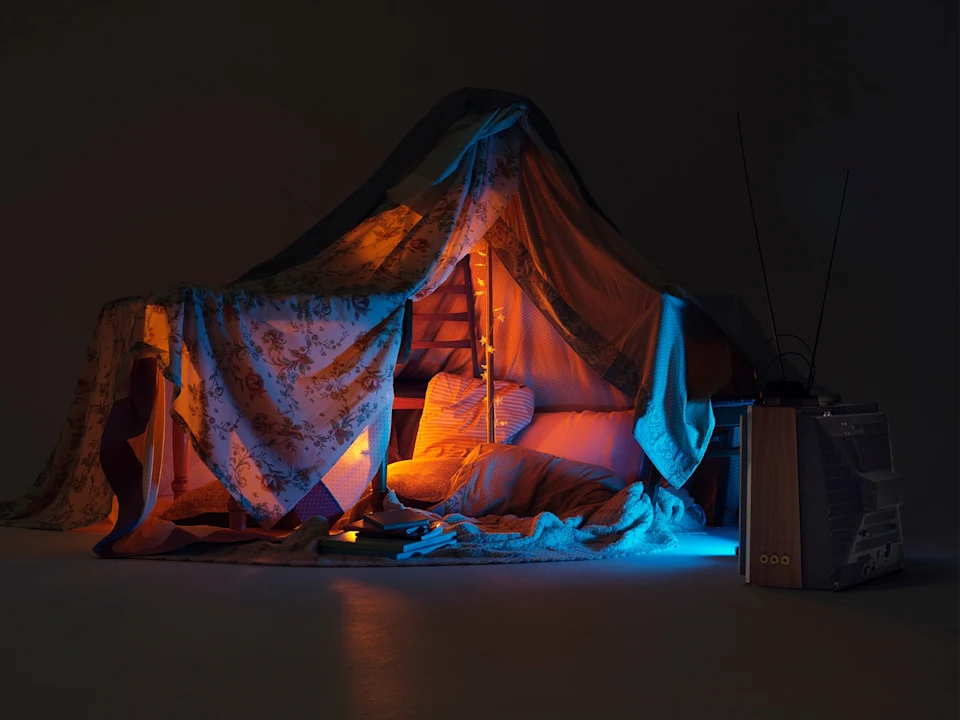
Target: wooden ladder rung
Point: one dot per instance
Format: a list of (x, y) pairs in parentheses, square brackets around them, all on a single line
[(452, 316), (450, 289), (405, 403), (428, 344)]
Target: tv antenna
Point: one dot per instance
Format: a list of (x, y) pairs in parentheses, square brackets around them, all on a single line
[(826, 287), (789, 391), (763, 269)]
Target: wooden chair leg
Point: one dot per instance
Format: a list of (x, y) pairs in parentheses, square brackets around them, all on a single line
[(238, 516), (181, 461)]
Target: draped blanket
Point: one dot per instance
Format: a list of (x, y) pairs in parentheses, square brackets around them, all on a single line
[(285, 382)]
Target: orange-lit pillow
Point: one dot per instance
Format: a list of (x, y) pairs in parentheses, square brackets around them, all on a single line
[(424, 480), (599, 438), (455, 415)]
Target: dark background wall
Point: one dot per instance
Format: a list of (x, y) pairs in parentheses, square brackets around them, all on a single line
[(144, 144)]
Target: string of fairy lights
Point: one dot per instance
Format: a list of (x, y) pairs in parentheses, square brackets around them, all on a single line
[(482, 287)]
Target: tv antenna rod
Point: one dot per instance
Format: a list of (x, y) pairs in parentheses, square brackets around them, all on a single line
[(826, 287), (763, 269)]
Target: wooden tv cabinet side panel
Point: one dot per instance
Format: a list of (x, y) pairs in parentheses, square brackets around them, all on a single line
[(774, 519)]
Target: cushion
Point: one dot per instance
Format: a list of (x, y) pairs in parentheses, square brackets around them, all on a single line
[(599, 438), (426, 480), (454, 417)]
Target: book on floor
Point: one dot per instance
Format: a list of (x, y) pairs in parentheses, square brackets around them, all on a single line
[(368, 530), (352, 542), (397, 519)]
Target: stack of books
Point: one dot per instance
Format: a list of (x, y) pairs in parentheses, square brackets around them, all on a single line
[(395, 534)]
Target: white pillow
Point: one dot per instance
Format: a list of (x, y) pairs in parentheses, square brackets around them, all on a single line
[(454, 417)]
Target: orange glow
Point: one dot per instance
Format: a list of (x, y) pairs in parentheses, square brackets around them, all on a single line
[(357, 456), (379, 676), (356, 466)]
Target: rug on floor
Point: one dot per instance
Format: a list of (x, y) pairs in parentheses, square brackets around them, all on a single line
[(625, 525)]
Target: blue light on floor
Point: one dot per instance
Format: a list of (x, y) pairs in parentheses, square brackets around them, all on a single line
[(715, 542)]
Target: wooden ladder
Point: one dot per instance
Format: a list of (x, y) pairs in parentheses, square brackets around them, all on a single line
[(409, 395)]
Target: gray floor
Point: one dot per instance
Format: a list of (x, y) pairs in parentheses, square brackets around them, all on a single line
[(675, 635)]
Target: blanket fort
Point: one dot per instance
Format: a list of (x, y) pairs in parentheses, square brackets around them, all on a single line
[(283, 380)]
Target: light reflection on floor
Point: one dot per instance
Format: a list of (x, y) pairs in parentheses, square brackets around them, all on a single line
[(377, 678), (715, 542)]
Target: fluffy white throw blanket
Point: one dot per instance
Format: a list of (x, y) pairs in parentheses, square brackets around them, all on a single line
[(508, 501)]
